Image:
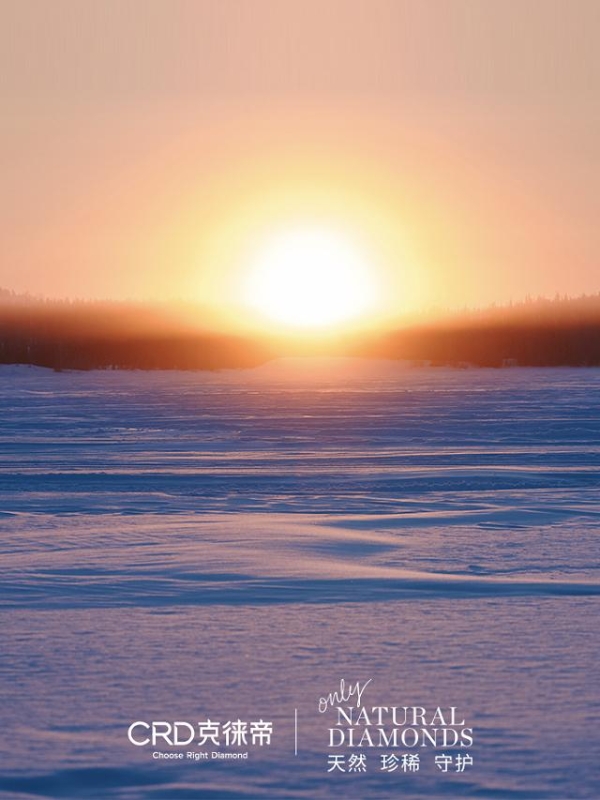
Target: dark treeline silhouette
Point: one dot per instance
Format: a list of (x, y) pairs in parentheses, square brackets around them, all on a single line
[(495, 346), (97, 335), (558, 332), (87, 335)]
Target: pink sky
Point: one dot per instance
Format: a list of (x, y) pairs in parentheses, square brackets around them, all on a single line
[(143, 140)]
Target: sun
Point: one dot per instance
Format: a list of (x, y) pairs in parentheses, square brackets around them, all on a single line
[(310, 278)]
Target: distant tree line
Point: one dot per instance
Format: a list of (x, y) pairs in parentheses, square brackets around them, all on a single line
[(92, 335), (88, 335), (559, 332), (496, 345)]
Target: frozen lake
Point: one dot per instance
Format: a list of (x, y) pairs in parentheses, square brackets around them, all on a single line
[(185, 546)]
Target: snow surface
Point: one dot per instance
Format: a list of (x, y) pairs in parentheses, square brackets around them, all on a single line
[(183, 545)]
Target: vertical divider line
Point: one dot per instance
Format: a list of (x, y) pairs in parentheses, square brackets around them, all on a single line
[(295, 731)]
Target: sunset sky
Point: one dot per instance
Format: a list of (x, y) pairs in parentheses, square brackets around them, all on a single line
[(447, 150)]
